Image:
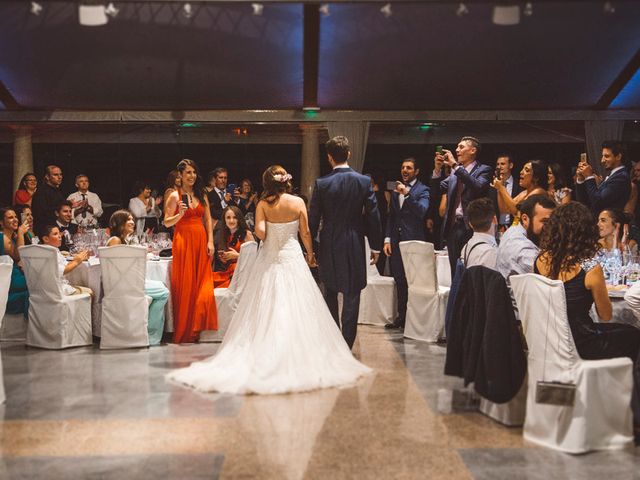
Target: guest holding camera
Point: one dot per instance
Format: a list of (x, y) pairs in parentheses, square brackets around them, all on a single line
[(230, 234)]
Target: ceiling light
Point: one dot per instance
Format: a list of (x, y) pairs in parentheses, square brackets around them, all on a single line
[(324, 9), (111, 10), (258, 8), (386, 10), (92, 15), (608, 8), (36, 8), (506, 15), (187, 10), (462, 10), (528, 9)]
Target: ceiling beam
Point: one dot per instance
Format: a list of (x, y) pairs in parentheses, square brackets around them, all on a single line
[(311, 54), (7, 98), (620, 82)]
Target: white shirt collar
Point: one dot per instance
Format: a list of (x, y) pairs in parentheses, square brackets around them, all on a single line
[(341, 166), (471, 166), (615, 170), (485, 237)]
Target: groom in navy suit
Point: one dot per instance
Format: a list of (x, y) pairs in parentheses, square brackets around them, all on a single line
[(409, 205), (344, 202)]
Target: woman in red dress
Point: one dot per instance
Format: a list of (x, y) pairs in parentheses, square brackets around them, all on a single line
[(194, 307), (230, 234)]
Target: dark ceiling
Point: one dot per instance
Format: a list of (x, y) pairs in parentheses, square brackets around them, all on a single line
[(567, 55)]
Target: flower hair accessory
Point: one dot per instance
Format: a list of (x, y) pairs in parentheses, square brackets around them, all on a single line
[(282, 177)]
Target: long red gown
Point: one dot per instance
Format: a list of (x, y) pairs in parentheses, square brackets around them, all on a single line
[(194, 307)]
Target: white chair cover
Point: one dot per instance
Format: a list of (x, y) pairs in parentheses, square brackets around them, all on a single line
[(601, 417), (13, 327), (427, 303), (125, 308), (512, 413), (6, 266), (55, 320), (227, 298), (378, 300)]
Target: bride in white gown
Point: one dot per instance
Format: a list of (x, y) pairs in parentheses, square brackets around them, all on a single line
[(282, 337)]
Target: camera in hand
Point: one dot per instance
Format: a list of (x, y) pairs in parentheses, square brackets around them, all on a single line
[(185, 199), (231, 188), (439, 149)]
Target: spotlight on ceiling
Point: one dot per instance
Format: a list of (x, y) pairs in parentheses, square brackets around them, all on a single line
[(386, 10), (35, 8), (609, 8), (528, 9), (324, 9), (111, 10), (92, 15), (462, 10), (506, 15), (187, 10), (258, 8)]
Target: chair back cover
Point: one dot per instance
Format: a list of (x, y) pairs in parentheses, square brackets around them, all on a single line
[(372, 270), (248, 254), (40, 265), (124, 268), (419, 261), (6, 266)]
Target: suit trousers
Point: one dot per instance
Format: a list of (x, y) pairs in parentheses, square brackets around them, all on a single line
[(350, 311), (397, 270), (458, 236)]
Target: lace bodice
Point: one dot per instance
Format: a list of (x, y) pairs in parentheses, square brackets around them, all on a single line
[(282, 241)]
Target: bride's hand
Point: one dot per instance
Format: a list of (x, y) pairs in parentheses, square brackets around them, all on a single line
[(311, 260)]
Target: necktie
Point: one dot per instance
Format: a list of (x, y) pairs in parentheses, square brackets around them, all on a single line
[(84, 212)]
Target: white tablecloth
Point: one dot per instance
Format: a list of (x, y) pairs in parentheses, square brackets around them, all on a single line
[(443, 269), (89, 275)]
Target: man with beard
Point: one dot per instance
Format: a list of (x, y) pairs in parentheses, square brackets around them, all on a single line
[(519, 245)]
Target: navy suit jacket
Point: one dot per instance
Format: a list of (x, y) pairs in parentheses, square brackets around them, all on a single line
[(408, 222), (347, 206), (612, 193), (476, 185)]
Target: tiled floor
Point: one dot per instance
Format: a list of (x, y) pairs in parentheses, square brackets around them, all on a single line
[(86, 413)]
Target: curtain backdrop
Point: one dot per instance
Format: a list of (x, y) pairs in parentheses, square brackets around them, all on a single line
[(596, 132), (358, 135)]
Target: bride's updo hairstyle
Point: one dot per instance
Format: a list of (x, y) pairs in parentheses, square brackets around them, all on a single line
[(275, 182)]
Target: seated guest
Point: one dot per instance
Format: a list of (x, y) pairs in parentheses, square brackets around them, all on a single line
[(143, 208), (26, 189), (482, 248), (24, 214), (519, 245), (122, 226), (558, 189), (610, 228), (568, 245), (533, 181), (12, 237), (87, 206), (230, 234), (52, 236), (64, 215)]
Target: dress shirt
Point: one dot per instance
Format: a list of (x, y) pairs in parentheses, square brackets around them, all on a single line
[(484, 254), (516, 253), (632, 297), (468, 168), (505, 218), (86, 219)]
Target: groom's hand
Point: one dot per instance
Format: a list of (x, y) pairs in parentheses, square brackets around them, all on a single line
[(387, 249), (374, 258)]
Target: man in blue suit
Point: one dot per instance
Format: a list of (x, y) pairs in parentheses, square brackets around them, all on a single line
[(406, 221), (614, 191), (344, 202), (468, 180)]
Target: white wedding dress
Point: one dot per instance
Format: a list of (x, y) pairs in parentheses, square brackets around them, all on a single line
[(282, 337)]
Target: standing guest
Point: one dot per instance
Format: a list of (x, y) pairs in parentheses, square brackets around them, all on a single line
[(247, 200), (504, 173), (468, 180), (63, 222), (87, 207), (25, 215), (122, 227), (406, 221), (567, 248), (12, 237), (142, 206), (610, 229), (194, 307), (230, 234), (173, 183), (558, 189), (534, 180), (47, 198), (217, 194), (383, 197), (481, 249), (614, 191), (52, 236), (26, 189)]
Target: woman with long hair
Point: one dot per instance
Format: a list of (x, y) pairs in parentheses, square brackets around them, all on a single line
[(282, 337), (567, 248), (534, 179), (247, 198), (122, 227), (558, 189), (25, 215), (194, 308), (611, 228), (230, 234), (11, 237), (27, 187)]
